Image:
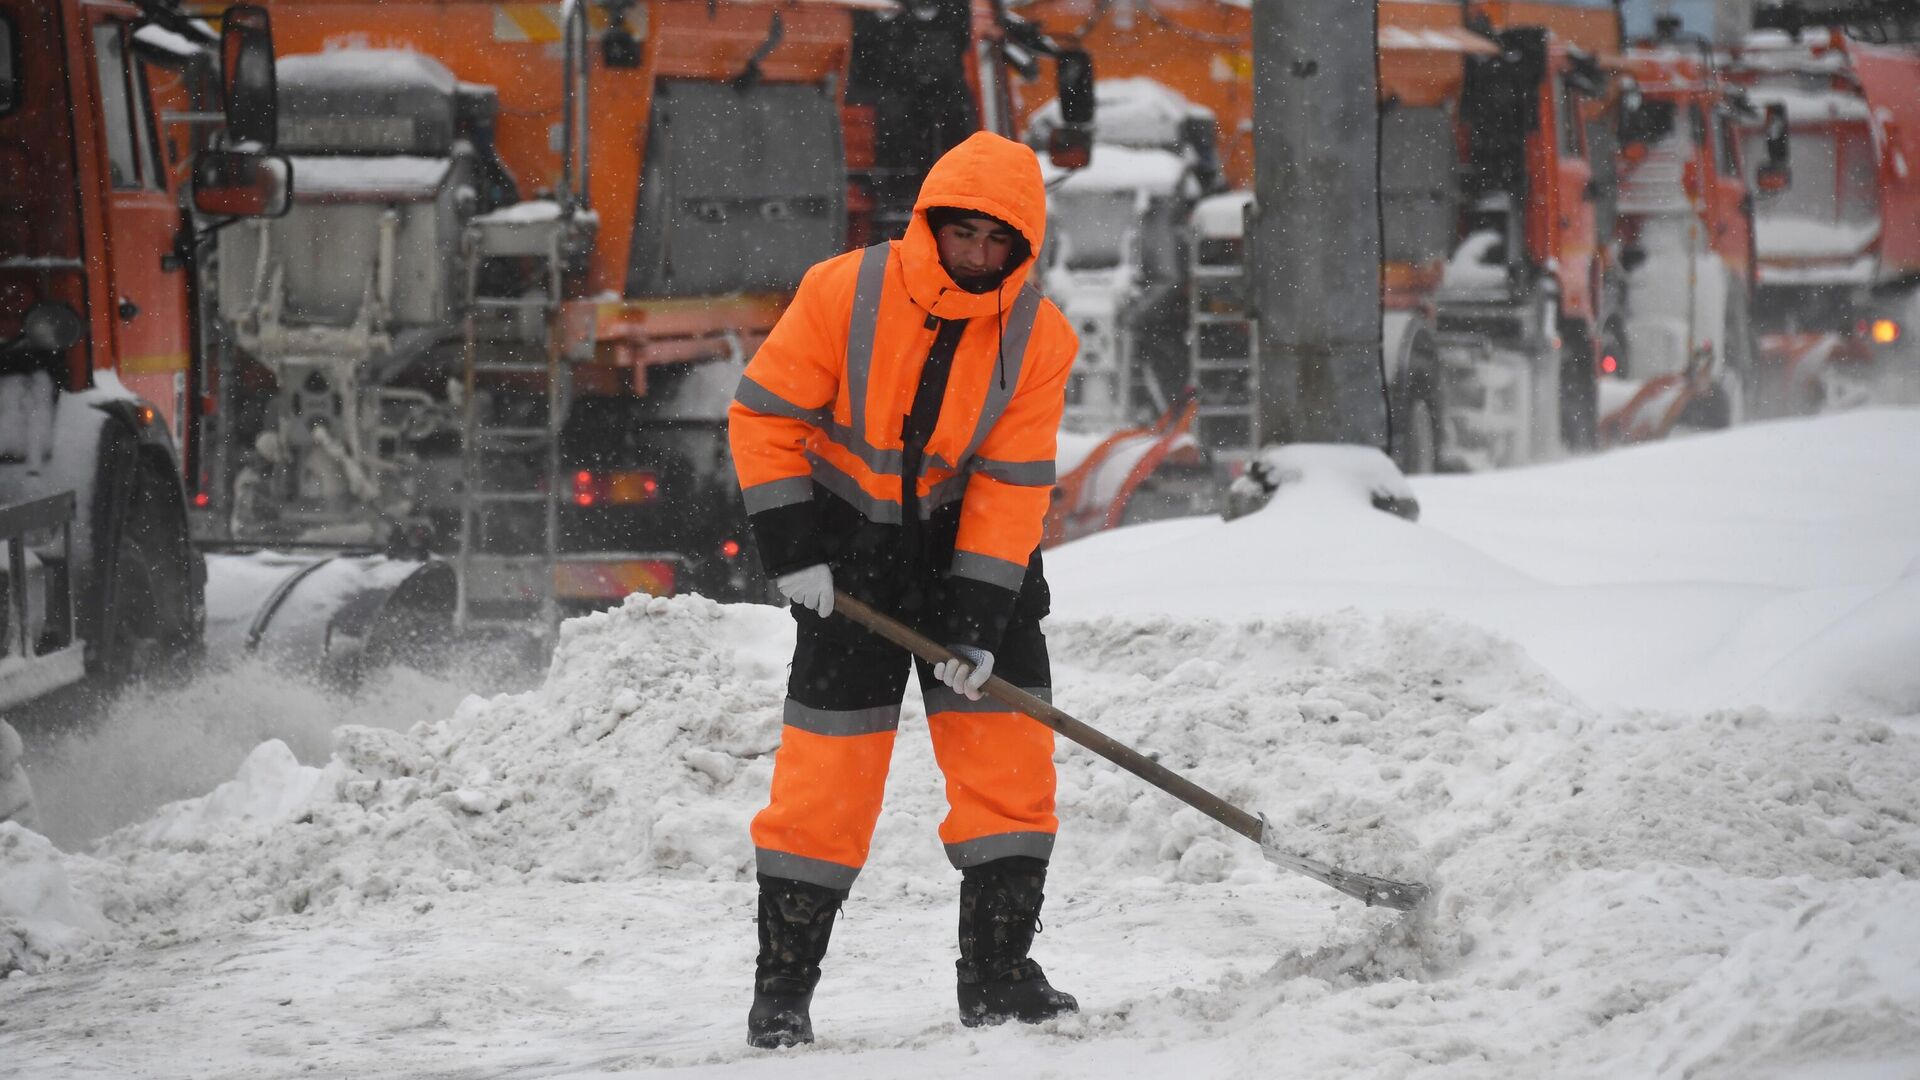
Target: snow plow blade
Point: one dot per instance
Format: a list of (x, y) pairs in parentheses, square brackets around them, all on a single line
[(1398, 895), (329, 615)]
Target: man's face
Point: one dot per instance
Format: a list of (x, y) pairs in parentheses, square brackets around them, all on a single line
[(975, 248)]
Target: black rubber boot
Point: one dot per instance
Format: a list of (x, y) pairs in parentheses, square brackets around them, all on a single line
[(999, 914), (796, 919)]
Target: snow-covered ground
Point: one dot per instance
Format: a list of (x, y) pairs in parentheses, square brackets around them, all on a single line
[(1653, 718)]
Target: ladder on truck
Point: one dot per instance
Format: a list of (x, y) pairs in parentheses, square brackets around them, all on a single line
[(1223, 359), (510, 469)]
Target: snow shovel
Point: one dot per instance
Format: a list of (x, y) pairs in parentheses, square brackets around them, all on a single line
[(1399, 895)]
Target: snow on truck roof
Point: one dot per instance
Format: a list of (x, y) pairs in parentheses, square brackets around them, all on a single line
[(1138, 112), (1121, 168), (350, 69), (1805, 105), (398, 175), (1222, 215)]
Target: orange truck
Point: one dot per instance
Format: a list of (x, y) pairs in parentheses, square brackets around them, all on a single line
[(1683, 340), (1837, 306), (1497, 284), (100, 319), (531, 249)]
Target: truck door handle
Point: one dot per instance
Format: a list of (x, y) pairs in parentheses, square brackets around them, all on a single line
[(128, 309)]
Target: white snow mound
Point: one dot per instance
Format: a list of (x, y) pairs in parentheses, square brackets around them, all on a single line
[(40, 918), (1408, 745)]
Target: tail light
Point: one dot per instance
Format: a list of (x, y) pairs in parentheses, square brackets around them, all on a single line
[(623, 487)]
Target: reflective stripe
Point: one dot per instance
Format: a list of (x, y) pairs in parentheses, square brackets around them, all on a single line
[(777, 493), (888, 462), (883, 511), (861, 326), (952, 489), (780, 864), (939, 699), (1013, 342), (972, 564), (1023, 473), (764, 401), (1038, 845), (827, 475), (840, 722)]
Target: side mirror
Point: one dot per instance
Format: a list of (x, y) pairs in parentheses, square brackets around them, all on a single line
[(240, 183), (249, 90), (1074, 84), (1775, 174), (1779, 144), (619, 49)]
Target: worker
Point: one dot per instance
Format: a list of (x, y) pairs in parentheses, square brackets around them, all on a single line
[(894, 438)]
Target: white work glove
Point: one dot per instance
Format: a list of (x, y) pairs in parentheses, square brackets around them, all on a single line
[(811, 588), (967, 672)]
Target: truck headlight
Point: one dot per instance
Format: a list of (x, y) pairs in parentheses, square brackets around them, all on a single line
[(52, 326)]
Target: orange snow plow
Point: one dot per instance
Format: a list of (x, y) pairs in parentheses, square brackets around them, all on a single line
[(1099, 492), (330, 614)]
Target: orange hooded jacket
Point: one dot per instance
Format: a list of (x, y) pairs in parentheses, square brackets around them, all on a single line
[(824, 400)]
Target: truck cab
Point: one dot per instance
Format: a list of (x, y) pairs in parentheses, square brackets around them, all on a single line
[(99, 323)]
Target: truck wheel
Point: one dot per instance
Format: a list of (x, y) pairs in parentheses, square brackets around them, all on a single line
[(1417, 431), (148, 625), (1579, 392), (1725, 403)]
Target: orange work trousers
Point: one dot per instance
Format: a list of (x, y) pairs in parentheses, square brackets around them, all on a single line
[(842, 712)]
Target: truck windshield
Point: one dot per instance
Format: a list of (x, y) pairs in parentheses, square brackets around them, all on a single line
[(1832, 207), (1096, 227), (9, 68)]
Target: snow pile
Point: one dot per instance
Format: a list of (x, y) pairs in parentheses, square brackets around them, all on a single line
[(1862, 662), (272, 787), (650, 746), (1604, 881), (643, 753), (40, 918)]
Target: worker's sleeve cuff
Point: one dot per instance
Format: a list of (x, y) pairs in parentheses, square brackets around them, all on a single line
[(788, 535)]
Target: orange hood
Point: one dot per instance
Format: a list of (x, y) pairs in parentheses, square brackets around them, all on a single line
[(995, 176)]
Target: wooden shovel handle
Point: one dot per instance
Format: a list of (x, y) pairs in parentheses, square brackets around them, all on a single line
[(1099, 742)]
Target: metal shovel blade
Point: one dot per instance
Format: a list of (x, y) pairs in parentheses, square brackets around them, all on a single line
[(1370, 890)]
